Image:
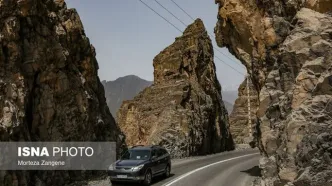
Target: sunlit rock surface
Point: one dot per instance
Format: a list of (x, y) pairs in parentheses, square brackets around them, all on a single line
[(287, 51), (183, 110), (239, 117)]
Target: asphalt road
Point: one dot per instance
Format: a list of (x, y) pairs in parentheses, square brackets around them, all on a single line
[(237, 168)]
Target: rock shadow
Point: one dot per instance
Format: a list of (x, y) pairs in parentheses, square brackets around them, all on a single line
[(254, 171)]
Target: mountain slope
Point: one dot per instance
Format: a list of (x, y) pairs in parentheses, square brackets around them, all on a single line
[(127, 87), (229, 98), (121, 89), (229, 106)]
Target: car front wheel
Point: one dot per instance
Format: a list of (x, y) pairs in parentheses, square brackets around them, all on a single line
[(167, 171), (148, 178)]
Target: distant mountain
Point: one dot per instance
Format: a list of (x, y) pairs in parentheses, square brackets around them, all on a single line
[(127, 87), (229, 98), (121, 89), (229, 106)]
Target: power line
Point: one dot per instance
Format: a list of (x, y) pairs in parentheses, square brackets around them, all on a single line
[(211, 35), (161, 16), (171, 13), (183, 10), (187, 25), (248, 80), (182, 32), (225, 54), (229, 65)]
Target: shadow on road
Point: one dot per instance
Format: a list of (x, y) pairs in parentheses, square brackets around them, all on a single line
[(254, 171), (154, 181)]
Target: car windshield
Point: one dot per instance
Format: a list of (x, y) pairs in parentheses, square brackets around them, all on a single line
[(135, 154)]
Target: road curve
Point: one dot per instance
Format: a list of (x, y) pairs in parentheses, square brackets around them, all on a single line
[(236, 168)]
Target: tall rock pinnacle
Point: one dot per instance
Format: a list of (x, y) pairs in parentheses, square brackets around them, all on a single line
[(183, 109)]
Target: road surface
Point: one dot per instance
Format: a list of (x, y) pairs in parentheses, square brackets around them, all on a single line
[(237, 168)]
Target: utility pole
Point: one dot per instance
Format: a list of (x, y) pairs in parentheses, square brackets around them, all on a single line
[(249, 106)]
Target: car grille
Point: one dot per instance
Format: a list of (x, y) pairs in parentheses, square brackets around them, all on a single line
[(123, 168)]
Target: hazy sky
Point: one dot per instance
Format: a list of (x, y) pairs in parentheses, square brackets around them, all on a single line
[(127, 35)]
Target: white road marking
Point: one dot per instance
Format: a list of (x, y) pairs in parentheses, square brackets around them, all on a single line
[(201, 168)]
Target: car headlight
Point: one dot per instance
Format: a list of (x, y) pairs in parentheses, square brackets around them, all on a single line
[(137, 168), (111, 167)]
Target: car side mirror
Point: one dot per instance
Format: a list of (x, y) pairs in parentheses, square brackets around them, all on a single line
[(153, 158)]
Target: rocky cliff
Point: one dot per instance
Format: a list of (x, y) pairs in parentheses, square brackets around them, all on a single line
[(286, 47), (49, 87), (183, 109), (239, 117), (121, 89)]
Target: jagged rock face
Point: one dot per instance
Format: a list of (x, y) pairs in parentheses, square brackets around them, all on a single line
[(49, 88), (253, 29), (183, 109), (121, 89), (238, 119), (296, 105), (294, 86)]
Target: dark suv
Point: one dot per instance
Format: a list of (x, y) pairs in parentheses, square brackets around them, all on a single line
[(141, 164)]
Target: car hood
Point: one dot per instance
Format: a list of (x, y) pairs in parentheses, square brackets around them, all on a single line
[(129, 163)]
